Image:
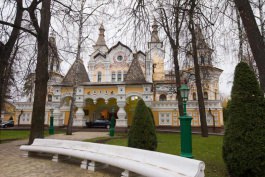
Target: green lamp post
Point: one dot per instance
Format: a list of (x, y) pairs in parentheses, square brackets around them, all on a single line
[(112, 124), (185, 125), (51, 128)]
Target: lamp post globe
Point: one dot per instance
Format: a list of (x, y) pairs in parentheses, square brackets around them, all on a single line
[(184, 92), (185, 125)]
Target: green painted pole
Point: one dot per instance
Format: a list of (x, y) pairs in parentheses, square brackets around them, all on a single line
[(112, 126), (186, 138), (51, 128)]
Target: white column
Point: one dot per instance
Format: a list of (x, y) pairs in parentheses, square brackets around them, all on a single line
[(58, 119), (79, 120), (121, 121)]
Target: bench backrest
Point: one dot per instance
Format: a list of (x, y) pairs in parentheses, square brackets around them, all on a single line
[(189, 167)]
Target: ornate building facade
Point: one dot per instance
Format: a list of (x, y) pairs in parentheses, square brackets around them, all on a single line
[(117, 77)]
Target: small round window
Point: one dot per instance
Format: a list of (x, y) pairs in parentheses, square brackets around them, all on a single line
[(119, 58)]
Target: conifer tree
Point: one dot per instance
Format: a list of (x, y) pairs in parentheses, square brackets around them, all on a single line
[(142, 133), (244, 140)]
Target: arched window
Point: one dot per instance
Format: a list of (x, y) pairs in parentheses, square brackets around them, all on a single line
[(194, 96), (119, 76), (205, 95), (162, 97), (113, 77), (49, 98), (99, 76)]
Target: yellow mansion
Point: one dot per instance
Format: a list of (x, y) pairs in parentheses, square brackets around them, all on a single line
[(117, 77)]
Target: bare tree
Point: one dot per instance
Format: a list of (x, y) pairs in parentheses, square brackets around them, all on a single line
[(172, 24), (42, 29), (79, 43), (80, 18), (7, 50), (255, 38), (191, 26)]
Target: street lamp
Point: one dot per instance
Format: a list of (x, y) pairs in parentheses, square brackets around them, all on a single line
[(112, 124), (185, 125), (51, 128)]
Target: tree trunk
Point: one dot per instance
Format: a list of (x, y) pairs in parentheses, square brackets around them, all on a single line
[(38, 113), (254, 37), (78, 54), (178, 81), (19, 116), (6, 51), (71, 116), (204, 128)]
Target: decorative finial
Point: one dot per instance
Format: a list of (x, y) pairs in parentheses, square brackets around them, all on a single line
[(154, 35)]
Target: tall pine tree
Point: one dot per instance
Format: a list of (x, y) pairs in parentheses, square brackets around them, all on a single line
[(244, 140)]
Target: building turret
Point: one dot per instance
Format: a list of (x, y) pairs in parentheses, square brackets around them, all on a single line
[(154, 35), (155, 57), (203, 50), (54, 60), (101, 43)]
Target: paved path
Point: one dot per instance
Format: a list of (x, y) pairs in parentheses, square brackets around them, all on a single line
[(12, 164)]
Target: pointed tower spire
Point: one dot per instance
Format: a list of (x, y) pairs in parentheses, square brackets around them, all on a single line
[(53, 56), (101, 43), (154, 35), (101, 37)]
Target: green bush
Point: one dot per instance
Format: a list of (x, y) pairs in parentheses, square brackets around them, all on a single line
[(244, 140), (142, 133), (152, 115)]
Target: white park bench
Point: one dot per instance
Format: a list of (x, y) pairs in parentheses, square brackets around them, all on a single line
[(143, 162)]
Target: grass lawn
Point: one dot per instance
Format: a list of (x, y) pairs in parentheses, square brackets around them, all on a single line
[(13, 134), (17, 134), (208, 150)]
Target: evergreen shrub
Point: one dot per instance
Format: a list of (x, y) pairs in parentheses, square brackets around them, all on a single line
[(142, 133), (244, 140)]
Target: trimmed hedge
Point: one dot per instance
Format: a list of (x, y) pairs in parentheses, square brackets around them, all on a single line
[(142, 133), (244, 140)]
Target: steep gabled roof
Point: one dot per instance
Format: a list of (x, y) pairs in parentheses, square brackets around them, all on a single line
[(77, 73), (135, 73), (119, 43), (141, 52), (100, 54)]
